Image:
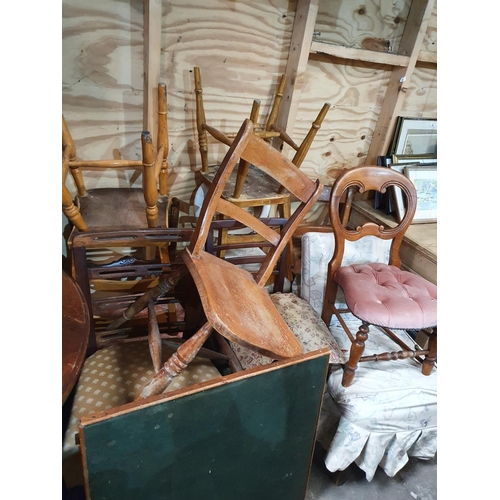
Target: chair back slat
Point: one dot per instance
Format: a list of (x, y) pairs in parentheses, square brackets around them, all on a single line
[(262, 155)]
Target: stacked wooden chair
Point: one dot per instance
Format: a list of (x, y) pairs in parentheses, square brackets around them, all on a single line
[(235, 303), (249, 187), (122, 207), (236, 306)]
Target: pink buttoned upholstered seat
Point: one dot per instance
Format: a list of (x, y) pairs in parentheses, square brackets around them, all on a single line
[(379, 294)]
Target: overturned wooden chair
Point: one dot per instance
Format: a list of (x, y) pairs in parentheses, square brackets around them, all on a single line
[(235, 302), (122, 207), (250, 187)]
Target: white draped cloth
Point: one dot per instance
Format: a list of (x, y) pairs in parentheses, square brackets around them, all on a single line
[(387, 414)]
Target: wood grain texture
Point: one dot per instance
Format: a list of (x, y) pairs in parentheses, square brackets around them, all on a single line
[(102, 82), (241, 49), (75, 333), (372, 24)]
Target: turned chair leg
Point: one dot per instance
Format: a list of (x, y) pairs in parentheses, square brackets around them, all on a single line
[(430, 359), (357, 348), (176, 363)]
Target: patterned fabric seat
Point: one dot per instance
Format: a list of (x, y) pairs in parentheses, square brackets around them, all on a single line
[(388, 413), (304, 322), (112, 377)]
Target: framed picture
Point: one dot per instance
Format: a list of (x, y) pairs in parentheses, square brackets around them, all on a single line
[(399, 202), (425, 180), (421, 159), (383, 201), (415, 137)]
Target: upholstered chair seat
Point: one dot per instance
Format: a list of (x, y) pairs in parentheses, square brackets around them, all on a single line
[(384, 295)]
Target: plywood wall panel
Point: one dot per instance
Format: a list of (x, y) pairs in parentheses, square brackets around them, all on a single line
[(429, 43), (241, 49), (102, 72), (355, 92), (421, 96), (372, 24)]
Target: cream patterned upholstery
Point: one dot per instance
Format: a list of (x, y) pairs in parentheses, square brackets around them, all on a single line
[(317, 251), (304, 322), (389, 413), (112, 377)]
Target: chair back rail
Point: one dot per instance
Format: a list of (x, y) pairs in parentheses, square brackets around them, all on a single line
[(374, 179), (263, 156)]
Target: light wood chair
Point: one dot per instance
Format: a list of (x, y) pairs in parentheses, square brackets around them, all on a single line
[(235, 302), (249, 187), (378, 294), (124, 207)]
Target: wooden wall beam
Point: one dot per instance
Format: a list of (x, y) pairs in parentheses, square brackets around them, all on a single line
[(411, 41), (300, 46), (359, 54)]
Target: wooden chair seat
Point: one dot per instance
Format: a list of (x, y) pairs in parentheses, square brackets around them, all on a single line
[(123, 207), (238, 308), (119, 207), (258, 186)]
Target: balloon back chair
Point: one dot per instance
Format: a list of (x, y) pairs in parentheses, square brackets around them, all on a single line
[(378, 294)]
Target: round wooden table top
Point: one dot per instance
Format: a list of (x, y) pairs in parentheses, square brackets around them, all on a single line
[(75, 333)]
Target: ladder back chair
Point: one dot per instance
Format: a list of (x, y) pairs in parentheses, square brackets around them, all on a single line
[(128, 278), (235, 302), (122, 207), (378, 294)]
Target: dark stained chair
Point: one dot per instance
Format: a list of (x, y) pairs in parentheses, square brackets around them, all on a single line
[(378, 294)]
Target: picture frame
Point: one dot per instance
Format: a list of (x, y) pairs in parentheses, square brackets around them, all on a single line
[(414, 137), (381, 201), (429, 159), (399, 202), (424, 178)]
